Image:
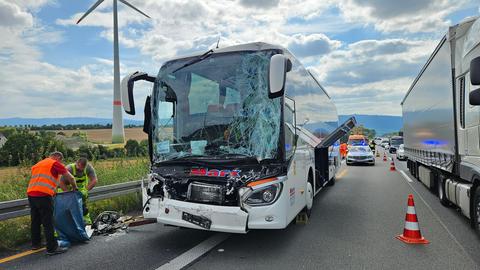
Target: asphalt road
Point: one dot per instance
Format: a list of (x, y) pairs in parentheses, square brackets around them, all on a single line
[(353, 226)]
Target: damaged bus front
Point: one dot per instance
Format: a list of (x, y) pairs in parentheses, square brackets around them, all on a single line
[(224, 144)]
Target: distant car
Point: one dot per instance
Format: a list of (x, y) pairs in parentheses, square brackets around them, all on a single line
[(384, 142), (378, 140), (401, 153), (357, 140), (394, 143), (359, 155)]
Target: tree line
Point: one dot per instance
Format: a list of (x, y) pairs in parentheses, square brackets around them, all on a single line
[(74, 127), (26, 147)]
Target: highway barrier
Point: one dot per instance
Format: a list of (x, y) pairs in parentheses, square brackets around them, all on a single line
[(19, 208)]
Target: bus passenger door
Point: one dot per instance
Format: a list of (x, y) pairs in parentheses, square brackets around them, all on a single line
[(295, 155)]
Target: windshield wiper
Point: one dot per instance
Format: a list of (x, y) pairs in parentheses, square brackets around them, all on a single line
[(235, 155), (196, 60), (188, 157)]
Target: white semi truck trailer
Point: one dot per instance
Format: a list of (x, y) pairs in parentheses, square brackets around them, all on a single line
[(240, 138), (441, 121)]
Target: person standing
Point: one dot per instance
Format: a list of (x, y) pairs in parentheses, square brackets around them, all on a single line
[(343, 150), (41, 190), (86, 179)]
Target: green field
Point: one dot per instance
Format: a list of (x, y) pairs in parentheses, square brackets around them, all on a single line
[(13, 183)]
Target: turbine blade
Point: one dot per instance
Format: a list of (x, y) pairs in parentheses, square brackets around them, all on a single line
[(90, 10), (138, 10)]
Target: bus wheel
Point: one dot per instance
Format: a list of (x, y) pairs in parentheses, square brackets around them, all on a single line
[(309, 199), (332, 181)]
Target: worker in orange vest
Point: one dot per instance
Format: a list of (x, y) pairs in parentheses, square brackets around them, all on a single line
[(343, 150), (42, 186)]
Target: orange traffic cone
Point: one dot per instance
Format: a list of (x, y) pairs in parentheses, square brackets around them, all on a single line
[(384, 157), (411, 232), (392, 166)]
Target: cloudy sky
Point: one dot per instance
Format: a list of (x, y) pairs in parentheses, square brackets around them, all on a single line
[(364, 52)]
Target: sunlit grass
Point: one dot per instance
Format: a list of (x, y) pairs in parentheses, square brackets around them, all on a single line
[(13, 186)]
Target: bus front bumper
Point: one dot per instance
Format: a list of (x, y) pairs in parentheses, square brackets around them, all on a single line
[(231, 219), (220, 218)]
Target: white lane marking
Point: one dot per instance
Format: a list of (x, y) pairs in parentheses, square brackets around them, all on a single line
[(409, 181), (194, 253), (406, 176)]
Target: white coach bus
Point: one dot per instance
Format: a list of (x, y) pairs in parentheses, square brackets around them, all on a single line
[(240, 138)]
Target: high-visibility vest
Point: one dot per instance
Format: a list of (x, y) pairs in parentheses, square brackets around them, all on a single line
[(42, 179), (82, 182)]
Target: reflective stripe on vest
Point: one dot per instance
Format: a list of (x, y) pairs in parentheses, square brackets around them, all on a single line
[(42, 179), (40, 184), (41, 175)]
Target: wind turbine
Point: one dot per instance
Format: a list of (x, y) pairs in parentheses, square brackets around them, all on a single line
[(118, 133)]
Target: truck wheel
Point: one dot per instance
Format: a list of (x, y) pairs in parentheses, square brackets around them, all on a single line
[(441, 191), (476, 211)]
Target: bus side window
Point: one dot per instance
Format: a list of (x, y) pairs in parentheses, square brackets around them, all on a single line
[(289, 117)]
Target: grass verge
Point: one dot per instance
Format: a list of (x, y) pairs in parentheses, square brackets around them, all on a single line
[(13, 186), (16, 232), (14, 181)]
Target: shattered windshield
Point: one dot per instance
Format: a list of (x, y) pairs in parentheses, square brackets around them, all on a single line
[(216, 107)]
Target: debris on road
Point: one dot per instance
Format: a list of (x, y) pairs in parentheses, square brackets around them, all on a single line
[(109, 222)]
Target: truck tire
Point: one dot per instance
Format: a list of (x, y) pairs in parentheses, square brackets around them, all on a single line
[(441, 191), (476, 211)]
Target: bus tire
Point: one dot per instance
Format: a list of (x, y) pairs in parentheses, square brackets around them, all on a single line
[(309, 198), (332, 181)]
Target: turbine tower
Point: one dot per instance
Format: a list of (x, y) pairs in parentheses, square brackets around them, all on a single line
[(118, 133)]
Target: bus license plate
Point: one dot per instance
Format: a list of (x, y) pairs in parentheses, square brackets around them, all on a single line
[(197, 220)]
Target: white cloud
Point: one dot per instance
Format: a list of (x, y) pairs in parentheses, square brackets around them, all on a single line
[(33, 87), (259, 3), (12, 16), (406, 15), (381, 97), (179, 27), (312, 45), (356, 73), (372, 76), (373, 60)]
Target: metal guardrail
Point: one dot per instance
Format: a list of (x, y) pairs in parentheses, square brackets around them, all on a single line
[(19, 208)]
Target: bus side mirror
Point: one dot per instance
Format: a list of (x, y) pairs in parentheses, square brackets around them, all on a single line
[(279, 66), (126, 89), (475, 71)]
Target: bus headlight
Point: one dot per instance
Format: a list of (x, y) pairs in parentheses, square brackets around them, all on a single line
[(262, 196)]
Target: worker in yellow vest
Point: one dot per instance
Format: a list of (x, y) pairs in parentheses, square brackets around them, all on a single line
[(86, 179), (43, 183)]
